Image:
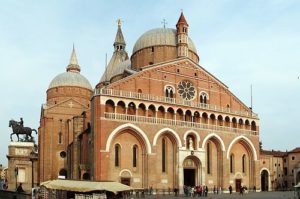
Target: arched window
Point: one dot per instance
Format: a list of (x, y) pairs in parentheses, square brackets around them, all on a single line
[(163, 155), (131, 110), (244, 163), (231, 163), (117, 155), (169, 91), (109, 106), (59, 138), (134, 155), (151, 111), (208, 157), (203, 98), (253, 126)]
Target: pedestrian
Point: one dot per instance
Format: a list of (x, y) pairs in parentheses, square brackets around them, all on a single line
[(192, 191), (230, 189), (19, 188), (242, 190)]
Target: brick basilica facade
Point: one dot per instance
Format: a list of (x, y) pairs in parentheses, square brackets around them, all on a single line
[(156, 119)]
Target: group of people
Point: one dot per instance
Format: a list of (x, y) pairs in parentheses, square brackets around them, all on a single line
[(199, 191)]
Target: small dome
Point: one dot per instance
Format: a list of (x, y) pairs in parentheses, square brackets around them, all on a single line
[(70, 79), (121, 67), (159, 36)]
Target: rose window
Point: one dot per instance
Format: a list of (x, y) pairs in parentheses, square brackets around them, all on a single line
[(186, 90)]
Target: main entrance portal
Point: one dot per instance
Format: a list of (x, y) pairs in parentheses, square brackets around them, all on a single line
[(238, 185), (191, 171), (189, 177)]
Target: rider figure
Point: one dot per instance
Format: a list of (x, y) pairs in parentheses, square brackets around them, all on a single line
[(21, 122)]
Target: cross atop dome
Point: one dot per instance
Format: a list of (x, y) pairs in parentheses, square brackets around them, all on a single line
[(73, 65)]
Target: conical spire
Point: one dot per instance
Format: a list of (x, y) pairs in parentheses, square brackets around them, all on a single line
[(119, 56), (73, 65), (182, 20), (119, 40)]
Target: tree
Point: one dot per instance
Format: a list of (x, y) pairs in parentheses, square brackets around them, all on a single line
[(260, 145)]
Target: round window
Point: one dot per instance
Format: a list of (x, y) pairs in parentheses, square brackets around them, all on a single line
[(186, 90), (63, 154)]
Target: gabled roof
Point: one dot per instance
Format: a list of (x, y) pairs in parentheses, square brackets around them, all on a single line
[(295, 150), (46, 107), (273, 153)]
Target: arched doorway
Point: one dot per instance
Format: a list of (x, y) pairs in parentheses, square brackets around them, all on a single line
[(264, 180), (191, 171), (125, 177)]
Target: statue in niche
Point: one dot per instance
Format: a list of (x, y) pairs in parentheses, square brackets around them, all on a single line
[(191, 144)]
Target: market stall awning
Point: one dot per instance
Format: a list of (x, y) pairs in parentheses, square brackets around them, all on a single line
[(85, 186)]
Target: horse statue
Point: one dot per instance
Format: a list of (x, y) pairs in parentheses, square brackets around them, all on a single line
[(18, 129)]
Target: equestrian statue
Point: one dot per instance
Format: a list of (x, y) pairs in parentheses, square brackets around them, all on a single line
[(19, 129)]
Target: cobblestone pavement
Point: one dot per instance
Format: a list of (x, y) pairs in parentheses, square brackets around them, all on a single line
[(251, 195)]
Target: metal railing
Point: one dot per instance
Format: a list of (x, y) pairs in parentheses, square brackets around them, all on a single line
[(149, 97), (170, 122)]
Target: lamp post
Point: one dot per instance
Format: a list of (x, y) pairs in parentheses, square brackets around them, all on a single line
[(32, 158)]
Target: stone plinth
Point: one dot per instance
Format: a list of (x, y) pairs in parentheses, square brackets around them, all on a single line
[(22, 163)]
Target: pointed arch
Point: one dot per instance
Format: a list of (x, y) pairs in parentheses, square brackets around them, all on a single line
[(139, 131), (217, 137), (161, 131), (247, 140)]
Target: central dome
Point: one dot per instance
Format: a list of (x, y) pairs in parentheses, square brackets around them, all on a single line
[(160, 37), (70, 79)]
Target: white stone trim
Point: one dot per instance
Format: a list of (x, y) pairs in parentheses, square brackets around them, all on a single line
[(126, 126), (264, 168), (161, 131), (123, 170), (217, 137), (23, 144), (247, 140), (194, 133)]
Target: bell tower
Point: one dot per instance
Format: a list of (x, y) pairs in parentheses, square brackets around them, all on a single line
[(182, 37)]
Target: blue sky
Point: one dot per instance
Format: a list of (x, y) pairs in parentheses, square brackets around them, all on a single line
[(240, 42)]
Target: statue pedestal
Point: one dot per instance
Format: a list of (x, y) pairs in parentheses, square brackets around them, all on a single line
[(22, 165)]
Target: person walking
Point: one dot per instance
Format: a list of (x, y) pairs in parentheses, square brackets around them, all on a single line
[(230, 189)]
